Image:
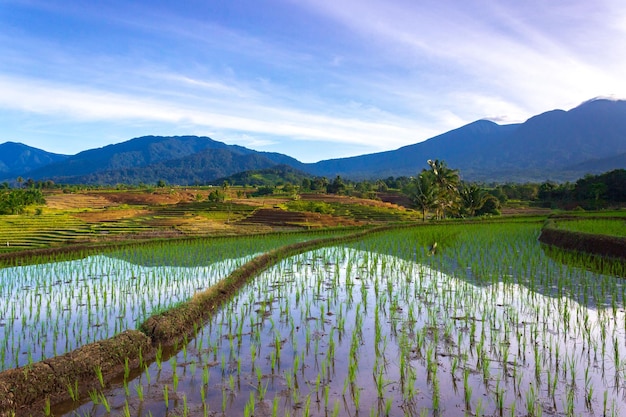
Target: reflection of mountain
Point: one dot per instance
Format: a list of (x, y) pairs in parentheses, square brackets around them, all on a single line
[(485, 254)]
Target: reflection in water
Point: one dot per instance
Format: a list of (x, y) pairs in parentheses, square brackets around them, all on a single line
[(592, 263), (49, 309), (341, 331)]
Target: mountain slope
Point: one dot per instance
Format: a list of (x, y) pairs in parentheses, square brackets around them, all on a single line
[(554, 145), (265, 177), (557, 145), (134, 153), (175, 159), (453, 147), (594, 130), (199, 168), (17, 159)]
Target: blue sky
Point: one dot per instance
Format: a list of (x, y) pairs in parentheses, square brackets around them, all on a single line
[(314, 79)]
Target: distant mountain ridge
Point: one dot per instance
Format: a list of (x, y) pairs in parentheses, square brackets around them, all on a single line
[(556, 145), (17, 159), (147, 159)]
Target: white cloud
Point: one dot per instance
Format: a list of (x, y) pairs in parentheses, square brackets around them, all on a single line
[(392, 73), (94, 105), (528, 56)]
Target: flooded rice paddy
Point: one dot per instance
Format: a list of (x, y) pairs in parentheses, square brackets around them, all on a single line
[(431, 321), (51, 308)]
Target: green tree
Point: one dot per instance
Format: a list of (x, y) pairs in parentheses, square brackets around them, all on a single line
[(306, 184), (471, 198), (263, 190), (319, 184), (423, 192), (447, 181), (217, 196), (491, 206), (15, 201), (337, 186)]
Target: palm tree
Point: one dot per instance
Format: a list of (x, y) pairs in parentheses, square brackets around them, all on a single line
[(423, 192), (447, 181), (472, 198)]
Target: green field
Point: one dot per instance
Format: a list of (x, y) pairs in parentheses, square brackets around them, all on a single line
[(597, 226)]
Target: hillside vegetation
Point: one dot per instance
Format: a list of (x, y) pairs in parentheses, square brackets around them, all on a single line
[(556, 145)]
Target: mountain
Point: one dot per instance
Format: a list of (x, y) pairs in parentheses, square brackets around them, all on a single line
[(599, 166), (17, 159), (176, 159), (265, 177), (199, 168), (558, 145), (464, 147)]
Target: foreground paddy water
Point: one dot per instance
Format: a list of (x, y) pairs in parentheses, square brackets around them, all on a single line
[(487, 326), (51, 308)]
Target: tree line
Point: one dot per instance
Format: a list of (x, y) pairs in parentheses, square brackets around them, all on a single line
[(591, 192), (14, 201), (437, 191), (441, 191)]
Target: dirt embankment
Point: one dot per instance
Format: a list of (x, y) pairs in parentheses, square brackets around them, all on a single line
[(25, 391), (602, 245)]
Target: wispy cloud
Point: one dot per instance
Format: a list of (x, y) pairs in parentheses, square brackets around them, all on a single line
[(351, 74), (532, 55), (95, 105)]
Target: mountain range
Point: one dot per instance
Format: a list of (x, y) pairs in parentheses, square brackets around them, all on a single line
[(557, 145)]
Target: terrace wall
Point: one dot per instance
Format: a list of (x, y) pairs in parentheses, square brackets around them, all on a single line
[(603, 245)]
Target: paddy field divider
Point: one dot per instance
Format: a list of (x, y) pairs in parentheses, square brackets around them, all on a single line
[(594, 244)]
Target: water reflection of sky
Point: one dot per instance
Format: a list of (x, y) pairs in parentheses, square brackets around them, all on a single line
[(53, 308), (311, 302)]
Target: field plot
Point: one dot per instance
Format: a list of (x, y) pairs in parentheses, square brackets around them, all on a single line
[(600, 226), (455, 320), (51, 308)]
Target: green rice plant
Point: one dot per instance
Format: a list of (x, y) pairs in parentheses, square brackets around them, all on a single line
[(489, 301), (139, 390), (93, 396), (73, 391), (47, 409), (105, 402), (467, 389), (98, 371), (175, 379), (147, 374)]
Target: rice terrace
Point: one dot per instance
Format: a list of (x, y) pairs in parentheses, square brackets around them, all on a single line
[(305, 208), (215, 301)]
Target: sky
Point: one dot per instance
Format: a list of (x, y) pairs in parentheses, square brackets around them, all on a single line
[(313, 79)]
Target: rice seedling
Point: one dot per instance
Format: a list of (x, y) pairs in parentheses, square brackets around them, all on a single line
[(73, 391), (490, 305), (64, 304)]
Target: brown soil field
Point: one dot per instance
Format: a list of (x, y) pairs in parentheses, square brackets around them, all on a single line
[(107, 199), (278, 218), (342, 199)]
